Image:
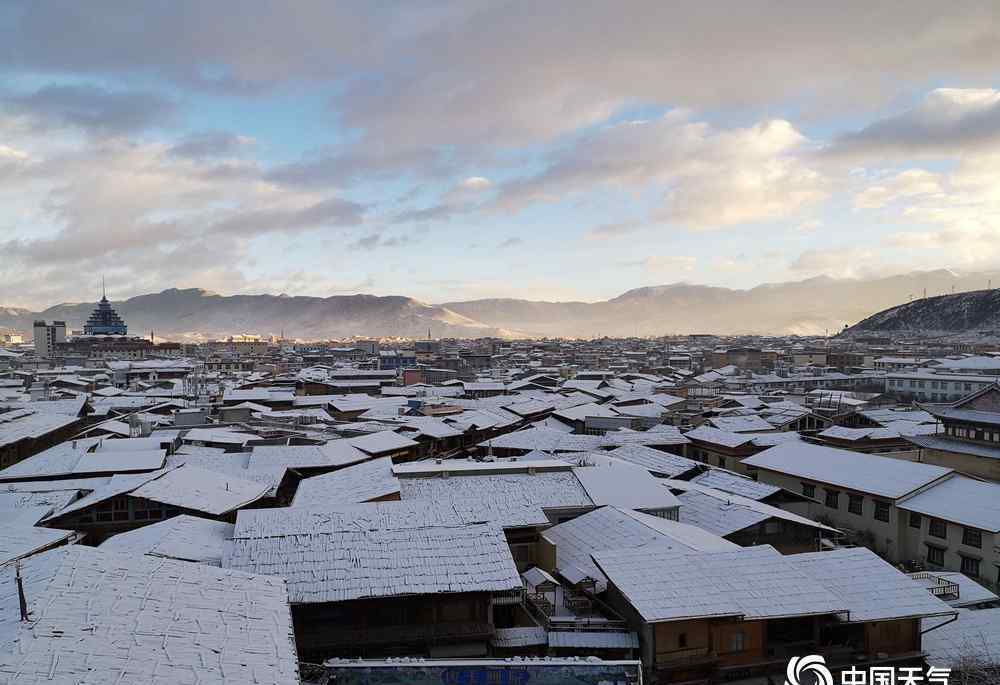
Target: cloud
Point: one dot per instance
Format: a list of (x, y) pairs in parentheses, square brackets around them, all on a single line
[(840, 262), (947, 121), (93, 109), (661, 263), (377, 240), (476, 183), (613, 230), (907, 184), (412, 92), (513, 241), (211, 144), (142, 213), (332, 211), (463, 197), (712, 178)]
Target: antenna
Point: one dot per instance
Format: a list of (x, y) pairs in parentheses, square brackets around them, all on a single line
[(104, 289)]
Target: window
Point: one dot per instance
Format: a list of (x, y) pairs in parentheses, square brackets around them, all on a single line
[(833, 499), (682, 641), (856, 504), (737, 642), (809, 490), (935, 556), (914, 520), (972, 537), (938, 529), (970, 566), (881, 511)]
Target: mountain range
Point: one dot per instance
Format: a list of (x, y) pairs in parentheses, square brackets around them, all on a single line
[(808, 307)]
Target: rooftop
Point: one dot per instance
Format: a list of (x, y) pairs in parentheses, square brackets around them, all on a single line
[(327, 566), (102, 617), (751, 583), (882, 476)]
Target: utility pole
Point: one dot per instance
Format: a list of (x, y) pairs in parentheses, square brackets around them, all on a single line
[(21, 599)]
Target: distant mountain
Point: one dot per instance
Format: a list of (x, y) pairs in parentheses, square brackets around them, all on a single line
[(976, 311), (809, 307), (198, 314)]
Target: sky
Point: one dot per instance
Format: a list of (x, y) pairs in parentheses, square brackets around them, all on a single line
[(461, 150)]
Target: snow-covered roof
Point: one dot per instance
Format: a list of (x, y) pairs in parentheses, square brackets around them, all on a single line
[(71, 406), (221, 436), (362, 482), (385, 515), (431, 427), (102, 617), (884, 416), (381, 443), (972, 639), (632, 486), (28, 424), (960, 499), (547, 489), (613, 528), (120, 461), (725, 513), (882, 476), (534, 461), (658, 435), (740, 424), (190, 487), (536, 576), (349, 564), (946, 444), (655, 461), (870, 588), (716, 436), (545, 439), (890, 431), (752, 583), (332, 454), (234, 464), (186, 487), (185, 538), (581, 411), (18, 539), (728, 481), (51, 499)]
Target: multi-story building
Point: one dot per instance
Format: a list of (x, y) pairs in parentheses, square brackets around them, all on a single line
[(47, 336), (925, 385), (969, 437)]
